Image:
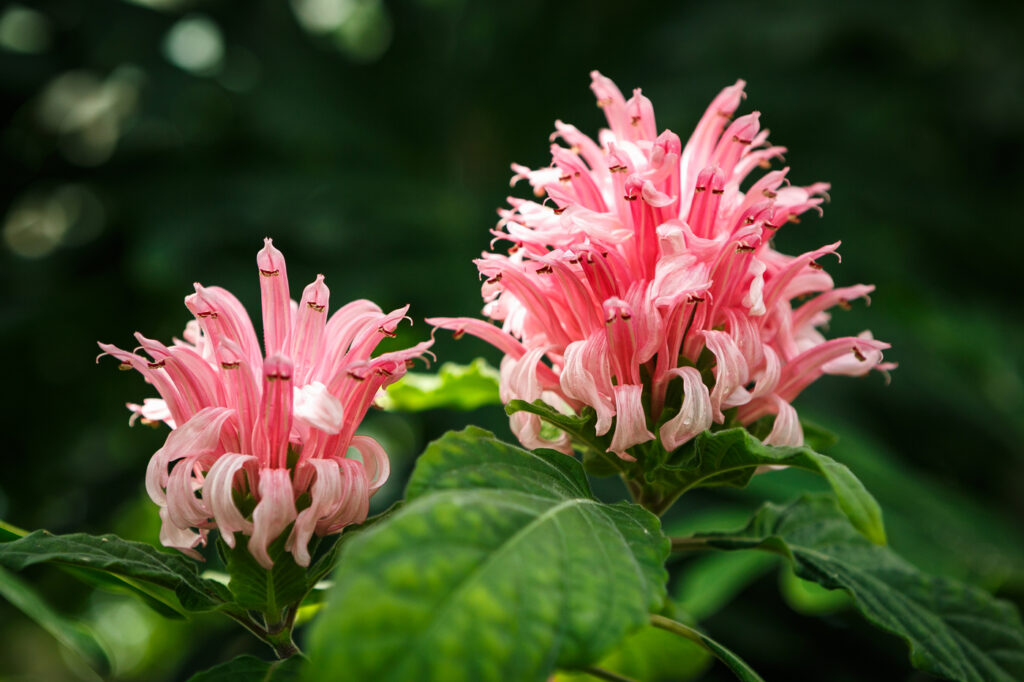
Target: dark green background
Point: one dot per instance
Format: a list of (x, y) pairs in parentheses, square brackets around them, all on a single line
[(383, 170)]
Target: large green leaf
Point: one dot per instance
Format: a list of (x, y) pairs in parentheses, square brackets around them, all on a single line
[(953, 630), (251, 669), (501, 566), (73, 635), (731, 456), (459, 387), (109, 553)]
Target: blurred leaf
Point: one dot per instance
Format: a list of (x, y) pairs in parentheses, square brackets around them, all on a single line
[(132, 560), (953, 630), (652, 655), (731, 457), (710, 582), (458, 387), (251, 669), (937, 526), (500, 552), (75, 636), (736, 664), (9, 532), (807, 597)]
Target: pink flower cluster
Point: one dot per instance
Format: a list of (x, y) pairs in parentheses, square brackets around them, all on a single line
[(273, 428), (645, 253)]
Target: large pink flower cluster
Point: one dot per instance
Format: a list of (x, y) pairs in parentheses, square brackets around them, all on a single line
[(274, 429), (643, 255)]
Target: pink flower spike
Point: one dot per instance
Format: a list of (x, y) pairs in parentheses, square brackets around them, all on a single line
[(268, 430), (642, 260), (273, 513)]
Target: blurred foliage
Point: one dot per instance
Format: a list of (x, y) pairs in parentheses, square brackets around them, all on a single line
[(153, 143)]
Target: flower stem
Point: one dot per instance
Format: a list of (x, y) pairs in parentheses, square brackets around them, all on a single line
[(690, 544)]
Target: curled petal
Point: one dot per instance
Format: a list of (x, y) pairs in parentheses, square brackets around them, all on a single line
[(578, 382), (375, 460), (630, 421), (787, 429), (198, 436), (695, 414), (355, 500), (326, 497), (183, 507), (184, 540), (315, 406), (273, 513), (218, 495), (770, 375), (731, 371), (277, 321)]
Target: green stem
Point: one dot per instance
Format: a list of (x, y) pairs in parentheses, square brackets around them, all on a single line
[(602, 674), (677, 628)]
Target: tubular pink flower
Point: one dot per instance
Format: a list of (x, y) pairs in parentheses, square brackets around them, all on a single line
[(277, 428), (646, 261)]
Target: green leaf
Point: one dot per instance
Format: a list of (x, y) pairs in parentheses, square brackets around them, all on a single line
[(124, 558), (458, 387), (500, 566), (737, 665), (251, 669), (259, 589), (73, 635), (954, 630), (730, 457), (596, 458)]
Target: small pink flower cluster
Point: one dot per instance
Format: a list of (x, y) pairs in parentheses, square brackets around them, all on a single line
[(273, 428), (643, 254)]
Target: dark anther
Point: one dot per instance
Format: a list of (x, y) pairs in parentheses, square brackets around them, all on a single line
[(270, 273), (844, 304), (409, 364), (744, 248), (458, 334), (717, 191), (793, 219), (737, 138), (209, 313), (353, 375), (229, 365), (768, 193), (386, 332), (560, 211), (495, 279), (694, 299), (698, 188), (771, 227), (857, 354), (629, 198), (125, 366), (156, 365), (314, 306), (545, 270), (625, 316), (635, 120), (815, 265), (564, 178), (749, 220), (619, 168)]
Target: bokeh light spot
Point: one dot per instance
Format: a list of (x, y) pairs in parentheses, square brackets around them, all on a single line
[(195, 44)]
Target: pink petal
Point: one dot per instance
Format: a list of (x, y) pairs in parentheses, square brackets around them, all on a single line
[(276, 301), (375, 460), (786, 430), (695, 414), (630, 421), (218, 495), (198, 436), (326, 496), (273, 513), (315, 406)]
